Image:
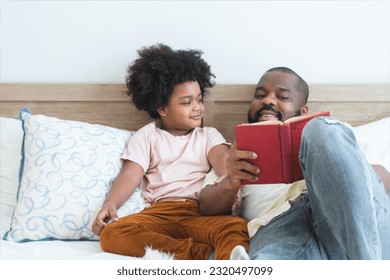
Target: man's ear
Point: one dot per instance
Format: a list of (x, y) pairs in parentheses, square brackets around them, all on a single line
[(161, 111), (304, 109)]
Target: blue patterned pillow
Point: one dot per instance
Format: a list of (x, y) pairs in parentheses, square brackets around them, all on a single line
[(67, 170)]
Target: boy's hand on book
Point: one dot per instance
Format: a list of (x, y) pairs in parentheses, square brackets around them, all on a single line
[(238, 168)]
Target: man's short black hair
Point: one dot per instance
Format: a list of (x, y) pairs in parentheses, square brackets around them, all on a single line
[(301, 85)]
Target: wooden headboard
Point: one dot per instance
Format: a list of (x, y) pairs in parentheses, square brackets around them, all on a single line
[(226, 105)]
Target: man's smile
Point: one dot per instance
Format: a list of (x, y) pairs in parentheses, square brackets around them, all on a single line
[(266, 115)]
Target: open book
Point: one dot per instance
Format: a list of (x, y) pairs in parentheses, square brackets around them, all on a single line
[(277, 145)]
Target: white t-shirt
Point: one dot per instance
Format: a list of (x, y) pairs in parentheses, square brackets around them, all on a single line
[(175, 166), (256, 198)]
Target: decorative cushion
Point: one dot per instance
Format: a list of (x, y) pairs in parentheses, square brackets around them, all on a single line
[(67, 170)]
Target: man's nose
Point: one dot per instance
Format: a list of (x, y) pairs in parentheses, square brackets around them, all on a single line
[(270, 99)]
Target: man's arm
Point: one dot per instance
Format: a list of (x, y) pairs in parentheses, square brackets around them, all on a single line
[(218, 199), (384, 175)]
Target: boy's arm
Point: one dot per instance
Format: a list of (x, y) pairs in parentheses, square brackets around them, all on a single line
[(210, 194), (218, 199), (217, 157), (122, 188), (384, 175)]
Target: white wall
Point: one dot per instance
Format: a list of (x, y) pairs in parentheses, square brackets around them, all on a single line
[(94, 41)]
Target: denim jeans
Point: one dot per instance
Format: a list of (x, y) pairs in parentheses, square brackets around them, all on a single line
[(345, 213)]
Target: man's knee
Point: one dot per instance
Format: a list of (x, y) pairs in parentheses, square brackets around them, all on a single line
[(325, 130)]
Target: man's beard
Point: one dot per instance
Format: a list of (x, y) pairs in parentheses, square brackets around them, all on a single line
[(270, 108)]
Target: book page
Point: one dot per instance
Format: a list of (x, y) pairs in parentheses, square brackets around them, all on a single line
[(310, 116), (270, 122), (290, 120)]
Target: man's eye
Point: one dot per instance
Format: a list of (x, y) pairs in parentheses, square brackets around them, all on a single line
[(259, 96)]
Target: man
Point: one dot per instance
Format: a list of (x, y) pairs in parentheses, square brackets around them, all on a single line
[(340, 211)]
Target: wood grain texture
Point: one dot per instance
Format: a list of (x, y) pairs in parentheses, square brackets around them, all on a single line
[(226, 104)]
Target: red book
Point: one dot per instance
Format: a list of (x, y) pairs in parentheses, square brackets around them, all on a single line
[(277, 145)]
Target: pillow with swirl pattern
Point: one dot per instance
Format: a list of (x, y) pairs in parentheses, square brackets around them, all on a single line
[(66, 172)]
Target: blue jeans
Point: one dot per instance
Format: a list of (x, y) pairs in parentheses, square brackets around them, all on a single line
[(346, 211)]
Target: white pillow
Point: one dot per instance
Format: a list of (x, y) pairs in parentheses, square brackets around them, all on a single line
[(374, 141), (68, 167), (11, 138)]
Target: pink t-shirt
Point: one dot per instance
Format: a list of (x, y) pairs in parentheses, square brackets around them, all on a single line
[(175, 166)]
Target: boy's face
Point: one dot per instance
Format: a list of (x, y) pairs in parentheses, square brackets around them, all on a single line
[(276, 98), (184, 110)]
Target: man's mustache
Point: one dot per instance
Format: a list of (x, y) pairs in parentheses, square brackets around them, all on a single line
[(269, 108)]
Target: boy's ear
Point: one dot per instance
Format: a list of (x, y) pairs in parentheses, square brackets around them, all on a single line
[(161, 111)]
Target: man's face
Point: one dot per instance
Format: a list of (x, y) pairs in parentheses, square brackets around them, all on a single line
[(276, 98)]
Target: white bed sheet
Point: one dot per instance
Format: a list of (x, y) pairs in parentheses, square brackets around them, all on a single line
[(55, 250), (52, 250)]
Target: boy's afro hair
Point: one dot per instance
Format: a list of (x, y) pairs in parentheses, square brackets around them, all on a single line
[(151, 77)]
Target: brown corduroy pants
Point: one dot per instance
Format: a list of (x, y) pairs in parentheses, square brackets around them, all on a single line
[(177, 228)]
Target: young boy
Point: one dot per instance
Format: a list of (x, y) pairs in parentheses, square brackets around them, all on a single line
[(169, 159)]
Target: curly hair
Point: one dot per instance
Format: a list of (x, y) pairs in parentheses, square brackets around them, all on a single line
[(151, 77)]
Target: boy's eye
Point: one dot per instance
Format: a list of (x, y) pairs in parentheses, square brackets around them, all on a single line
[(186, 102)]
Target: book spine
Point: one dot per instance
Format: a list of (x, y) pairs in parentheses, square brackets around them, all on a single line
[(286, 152), (296, 134)]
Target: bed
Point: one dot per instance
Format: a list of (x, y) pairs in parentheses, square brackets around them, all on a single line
[(49, 196)]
